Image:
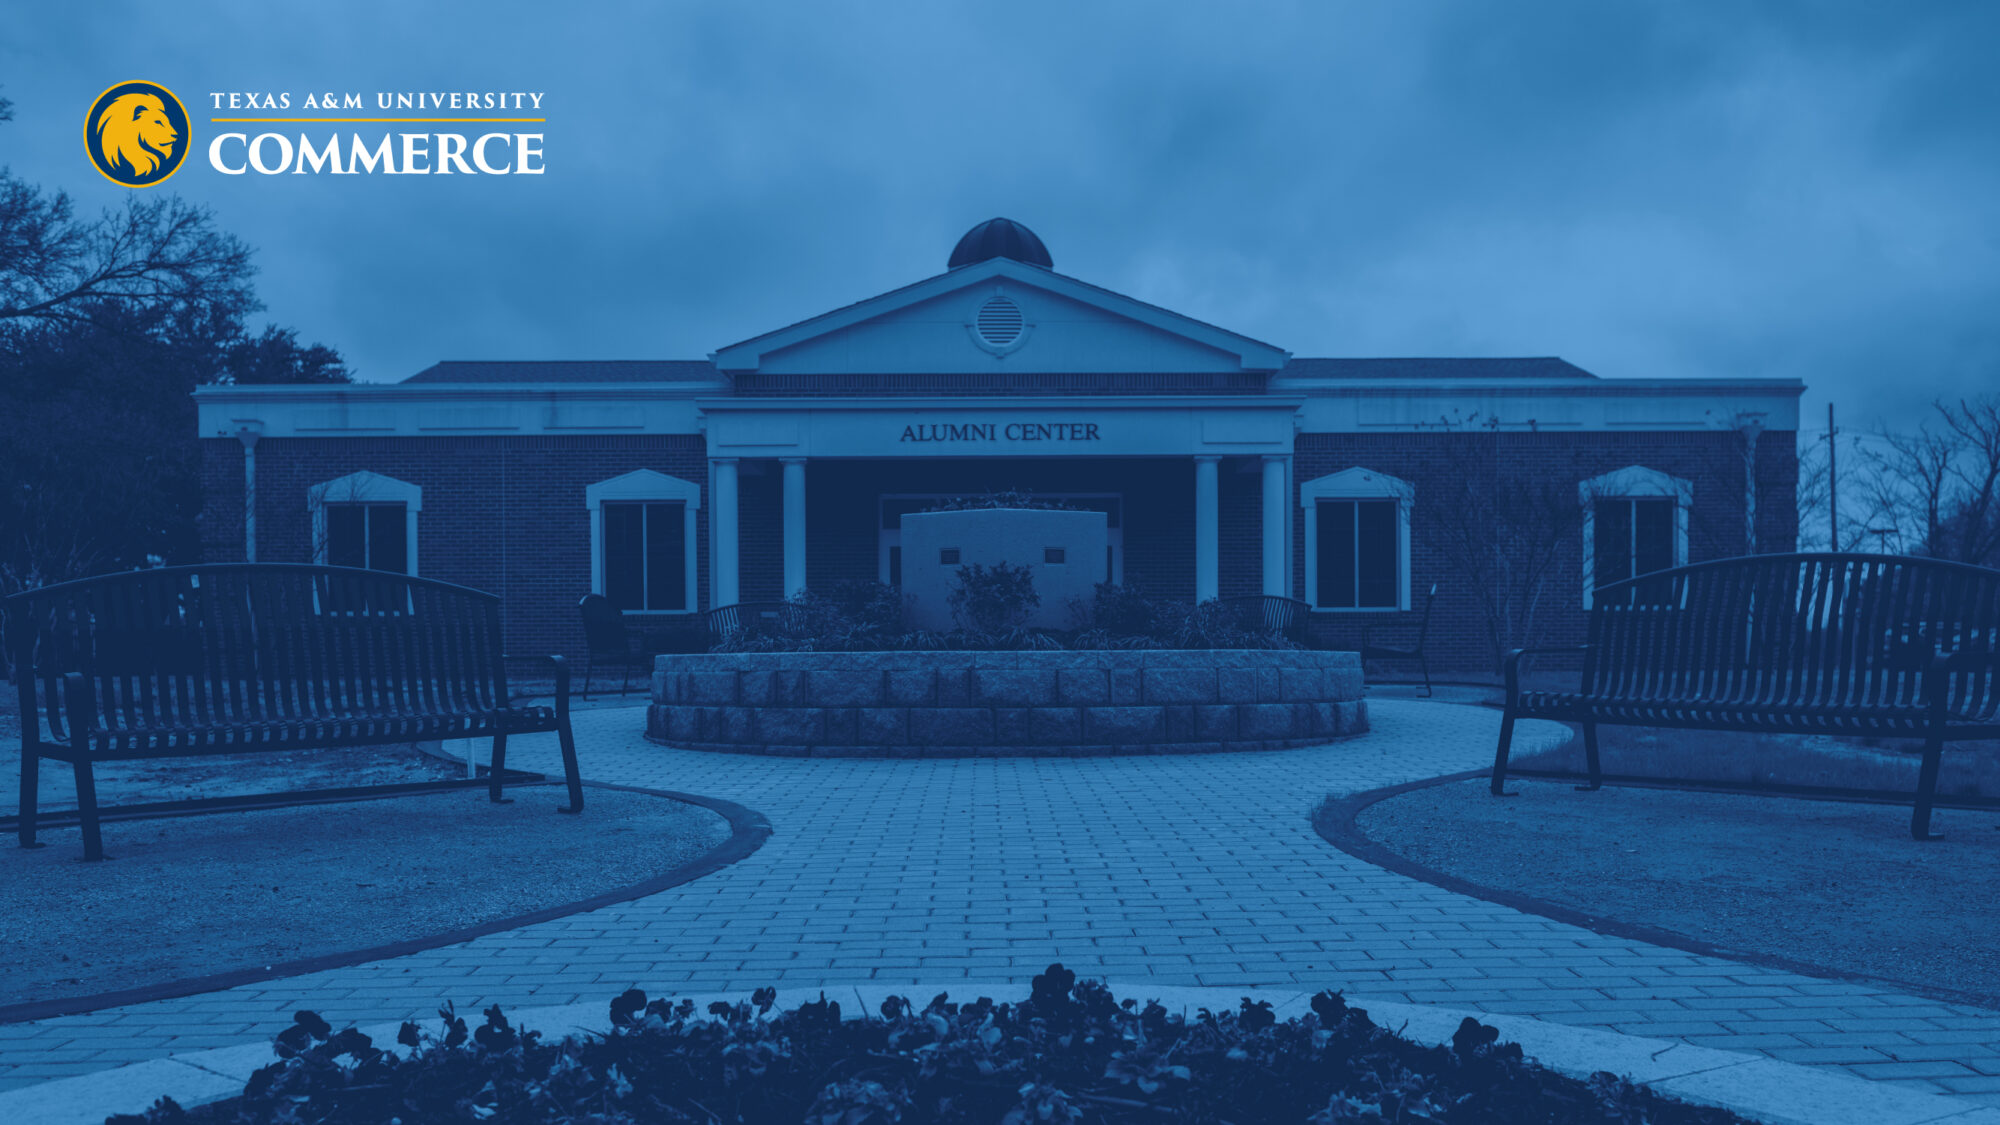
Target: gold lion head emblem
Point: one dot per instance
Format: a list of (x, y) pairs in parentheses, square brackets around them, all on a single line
[(134, 131)]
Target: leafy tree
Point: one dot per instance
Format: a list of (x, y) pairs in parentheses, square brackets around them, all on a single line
[(97, 461), (107, 325), (277, 357)]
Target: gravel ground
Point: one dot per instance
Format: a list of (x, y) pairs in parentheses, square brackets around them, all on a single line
[(1827, 883), (192, 896), (147, 780), (229, 775)]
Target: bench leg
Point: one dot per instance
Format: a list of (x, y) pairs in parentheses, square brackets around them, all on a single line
[(567, 737), (1920, 818), (86, 809), (589, 664), (570, 773), (1590, 759), (31, 782), (1499, 786), (499, 767), (1425, 662)]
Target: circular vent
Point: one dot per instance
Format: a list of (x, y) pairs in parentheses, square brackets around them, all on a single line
[(999, 322)]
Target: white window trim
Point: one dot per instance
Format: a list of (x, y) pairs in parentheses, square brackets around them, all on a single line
[(644, 486), (1358, 484), (365, 487), (1633, 482)]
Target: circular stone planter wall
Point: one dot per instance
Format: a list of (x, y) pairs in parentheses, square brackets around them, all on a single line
[(963, 704)]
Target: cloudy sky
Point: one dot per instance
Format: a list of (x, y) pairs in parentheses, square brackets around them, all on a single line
[(1673, 189)]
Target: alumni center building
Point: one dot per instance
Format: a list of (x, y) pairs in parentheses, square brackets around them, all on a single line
[(1225, 466)]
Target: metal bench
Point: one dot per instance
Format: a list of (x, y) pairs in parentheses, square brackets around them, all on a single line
[(753, 617), (1371, 651), (606, 638), (245, 657), (1269, 613), (1842, 644), (610, 637)]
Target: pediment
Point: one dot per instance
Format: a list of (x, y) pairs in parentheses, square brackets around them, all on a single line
[(999, 316), (642, 484), (1636, 480), (1356, 483)]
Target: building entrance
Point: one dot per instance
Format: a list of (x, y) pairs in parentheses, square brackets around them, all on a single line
[(892, 507)]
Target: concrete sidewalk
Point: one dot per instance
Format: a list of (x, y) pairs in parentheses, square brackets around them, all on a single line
[(1184, 870)]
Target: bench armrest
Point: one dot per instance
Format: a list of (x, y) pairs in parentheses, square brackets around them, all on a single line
[(1939, 671), (562, 685), (79, 706), (1513, 666)]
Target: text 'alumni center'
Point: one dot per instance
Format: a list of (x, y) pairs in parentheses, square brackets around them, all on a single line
[(1225, 465)]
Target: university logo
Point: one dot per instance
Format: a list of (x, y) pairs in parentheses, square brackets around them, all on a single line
[(137, 134)]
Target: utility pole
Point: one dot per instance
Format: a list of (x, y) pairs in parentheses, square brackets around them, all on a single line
[(1832, 483)]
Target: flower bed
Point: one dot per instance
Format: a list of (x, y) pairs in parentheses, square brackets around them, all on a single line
[(1068, 1054), (1038, 703), (991, 607)]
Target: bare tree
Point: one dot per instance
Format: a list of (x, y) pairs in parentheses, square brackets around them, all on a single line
[(1501, 533), (1936, 490), (1813, 495), (156, 254), (1970, 528), (1903, 487)]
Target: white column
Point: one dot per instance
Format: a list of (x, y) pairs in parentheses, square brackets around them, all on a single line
[(1274, 526), (1207, 533), (722, 587), (795, 525)]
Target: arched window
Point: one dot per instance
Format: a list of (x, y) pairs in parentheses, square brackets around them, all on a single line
[(365, 520), (1635, 521), (1357, 541), (642, 541)]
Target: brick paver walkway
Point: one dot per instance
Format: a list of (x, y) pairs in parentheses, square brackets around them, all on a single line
[(1177, 870)]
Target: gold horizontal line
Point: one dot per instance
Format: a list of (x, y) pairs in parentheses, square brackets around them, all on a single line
[(483, 121)]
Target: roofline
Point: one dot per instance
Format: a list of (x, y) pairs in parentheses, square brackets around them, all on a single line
[(653, 409), (681, 389), (668, 359), (678, 388), (747, 354), (1501, 385), (1000, 402)]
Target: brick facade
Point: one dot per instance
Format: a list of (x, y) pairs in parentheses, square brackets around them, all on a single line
[(501, 514), (507, 514), (1551, 464), (1089, 392)]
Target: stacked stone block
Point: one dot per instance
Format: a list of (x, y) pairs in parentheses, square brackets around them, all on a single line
[(963, 704)]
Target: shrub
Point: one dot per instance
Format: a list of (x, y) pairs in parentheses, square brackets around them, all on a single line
[(862, 614), (1214, 625), (1123, 611), (992, 603), (1070, 1052), (844, 617), (1007, 498), (1105, 639), (995, 599)]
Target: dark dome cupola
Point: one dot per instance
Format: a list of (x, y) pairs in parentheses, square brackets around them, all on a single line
[(1000, 238)]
